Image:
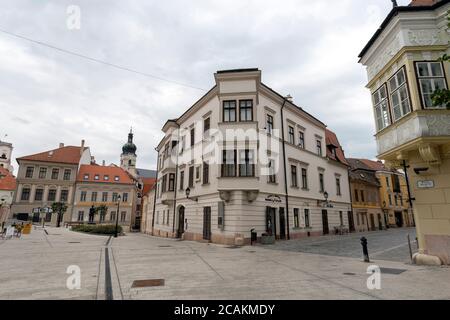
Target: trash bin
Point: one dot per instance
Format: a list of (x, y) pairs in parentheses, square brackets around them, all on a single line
[(254, 236)]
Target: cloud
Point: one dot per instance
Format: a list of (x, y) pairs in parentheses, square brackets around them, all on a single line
[(306, 48)]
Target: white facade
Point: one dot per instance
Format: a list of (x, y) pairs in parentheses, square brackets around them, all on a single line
[(5, 156), (223, 209)]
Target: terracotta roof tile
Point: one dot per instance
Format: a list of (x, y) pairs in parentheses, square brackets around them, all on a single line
[(7, 180), (91, 171), (333, 143), (69, 154), (148, 185)]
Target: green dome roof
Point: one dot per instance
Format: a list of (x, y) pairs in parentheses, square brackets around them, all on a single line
[(129, 147)]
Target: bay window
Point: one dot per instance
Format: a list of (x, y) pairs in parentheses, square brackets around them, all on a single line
[(246, 110), (380, 103), (431, 78), (229, 111), (246, 163), (229, 163), (398, 89)]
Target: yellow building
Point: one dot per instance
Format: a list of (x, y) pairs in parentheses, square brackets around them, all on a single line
[(403, 67)]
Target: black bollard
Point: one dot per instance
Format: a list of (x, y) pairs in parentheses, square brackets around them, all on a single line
[(365, 251)]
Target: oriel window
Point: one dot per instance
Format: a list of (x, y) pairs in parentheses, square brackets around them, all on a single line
[(381, 106), (246, 110), (229, 111), (431, 77)]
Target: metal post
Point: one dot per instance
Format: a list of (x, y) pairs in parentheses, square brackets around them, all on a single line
[(117, 218), (365, 251), (410, 249)]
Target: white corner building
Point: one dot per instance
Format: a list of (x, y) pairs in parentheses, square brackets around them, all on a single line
[(244, 157)]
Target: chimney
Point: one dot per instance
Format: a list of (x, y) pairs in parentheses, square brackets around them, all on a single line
[(289, 98), (92, 160), (103, 163), (82, 147), (61, 145)]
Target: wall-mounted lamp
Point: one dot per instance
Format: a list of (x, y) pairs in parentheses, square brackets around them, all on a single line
[(418, 171), (188, 192)]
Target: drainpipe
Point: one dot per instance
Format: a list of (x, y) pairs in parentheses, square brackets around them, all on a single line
[(285, 169), (351, 199), (156, 193), (175, 184)]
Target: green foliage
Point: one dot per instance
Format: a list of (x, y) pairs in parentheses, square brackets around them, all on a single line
[(59, 207), (441, 97), (100, 209), (97, 229)]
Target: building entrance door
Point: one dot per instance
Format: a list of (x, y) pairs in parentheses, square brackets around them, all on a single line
[(351, 222), (270, 221), (399, 219), (282, 224), (372, 222), (207, 223), (180, 229), (380, 223), (326, 230)]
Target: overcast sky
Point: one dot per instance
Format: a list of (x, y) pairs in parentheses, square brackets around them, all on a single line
[(305, 48)]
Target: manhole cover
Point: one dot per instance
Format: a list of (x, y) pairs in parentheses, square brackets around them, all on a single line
[(74, 242), (349, 274), (147, 283), (165, 246), (392, 270), (233, 247), (251, 251)]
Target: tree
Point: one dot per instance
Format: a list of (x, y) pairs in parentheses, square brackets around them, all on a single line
[(59, 208), (100, 209), (442, 96)]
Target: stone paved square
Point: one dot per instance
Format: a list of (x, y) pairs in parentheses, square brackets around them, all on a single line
[(34, 267)]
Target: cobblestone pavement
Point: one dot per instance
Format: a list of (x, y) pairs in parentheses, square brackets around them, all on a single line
[(389, 245), (35, 266)]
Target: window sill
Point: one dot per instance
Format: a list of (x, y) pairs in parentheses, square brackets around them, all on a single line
[(273, 183), (305, 189), (206, 184), (295, 187)]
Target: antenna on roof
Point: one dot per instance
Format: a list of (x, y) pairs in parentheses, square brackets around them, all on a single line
[(394, 3)]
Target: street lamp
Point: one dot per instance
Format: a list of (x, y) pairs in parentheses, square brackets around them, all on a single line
[(2, 202), (117, 215)]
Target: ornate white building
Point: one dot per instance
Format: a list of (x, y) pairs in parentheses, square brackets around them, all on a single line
[(244, 157), (404, 69)]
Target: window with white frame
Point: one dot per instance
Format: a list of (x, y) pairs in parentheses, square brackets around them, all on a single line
[(431, 78), (381, 107), (398, 89)]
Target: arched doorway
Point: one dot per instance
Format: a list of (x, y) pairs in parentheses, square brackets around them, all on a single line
[(180, 229)]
